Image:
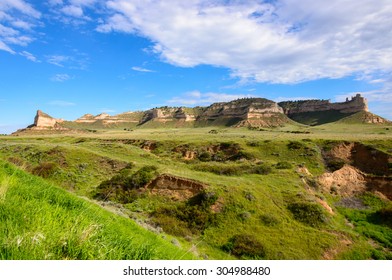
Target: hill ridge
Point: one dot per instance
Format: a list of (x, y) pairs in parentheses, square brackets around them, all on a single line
[(249, 112)]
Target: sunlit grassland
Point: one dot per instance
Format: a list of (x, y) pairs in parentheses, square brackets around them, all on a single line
[(41, 221)]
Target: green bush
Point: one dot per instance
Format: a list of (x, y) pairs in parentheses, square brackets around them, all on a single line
[(124, 186), (283, 165), (245, 245), (335, 164), (204, 156), (295, 145), (141, 177), (310, 214), (193, 216), (262, 169)]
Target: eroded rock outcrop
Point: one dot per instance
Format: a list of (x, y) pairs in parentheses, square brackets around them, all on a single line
[(175, 187), (357, 103), (364, 168)]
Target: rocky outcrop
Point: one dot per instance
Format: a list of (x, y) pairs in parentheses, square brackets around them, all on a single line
[(177, 188), (44, 121), (167, 114), (357, 103), (106, 119), (244, 112)]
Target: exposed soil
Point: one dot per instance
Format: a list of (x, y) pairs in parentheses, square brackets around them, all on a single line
[(365, 158), (346, 181), (364, 168), (177, 188)]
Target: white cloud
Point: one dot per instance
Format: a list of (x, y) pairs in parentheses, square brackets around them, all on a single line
[(60, 78), (140, 69), (61, 103), (280, 41), (29, 56), (17, 18), (197, 98), (21, 6), (5, 47), (71, 10), (116, 22), (57, 60)]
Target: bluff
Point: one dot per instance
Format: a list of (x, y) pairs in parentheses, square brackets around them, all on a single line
[(357, 103), (44, 121), (248, 112), (316, 112)]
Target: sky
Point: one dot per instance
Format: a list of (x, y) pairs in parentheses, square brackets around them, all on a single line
[(72, 57)]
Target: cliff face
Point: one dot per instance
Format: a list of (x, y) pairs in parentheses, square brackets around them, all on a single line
[(244, 112), (44, 121), (106, 119), (168, 114), (249, 112), (355, 104)]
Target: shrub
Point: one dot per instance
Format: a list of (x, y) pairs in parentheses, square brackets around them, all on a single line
[(385, 215), (308, 213), (204, 156), (123, 186), (245, 245), (295, 145), (284, 165), (203, 199), (242, 155), (269, 220), (141, 177), (335, 164), (45, 169), (262, 169), (193, 216)]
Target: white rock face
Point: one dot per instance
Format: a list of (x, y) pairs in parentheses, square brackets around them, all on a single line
[(44, 120)]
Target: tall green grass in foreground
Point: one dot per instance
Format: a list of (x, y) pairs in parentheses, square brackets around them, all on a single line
[(41, 221)]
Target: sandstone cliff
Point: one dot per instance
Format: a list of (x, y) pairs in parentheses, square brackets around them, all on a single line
[(44, 121), (357, 103), (248, 112), (244, 112)]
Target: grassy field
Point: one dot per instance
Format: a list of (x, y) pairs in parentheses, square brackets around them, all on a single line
[(41, 221), (259, 203)]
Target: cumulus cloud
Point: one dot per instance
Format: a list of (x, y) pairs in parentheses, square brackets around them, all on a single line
[(278, 41), (198, 98)]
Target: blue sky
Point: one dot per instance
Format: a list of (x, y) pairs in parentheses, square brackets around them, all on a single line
[(71, 57)]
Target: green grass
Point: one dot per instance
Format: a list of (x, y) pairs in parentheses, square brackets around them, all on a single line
[(41, 221)]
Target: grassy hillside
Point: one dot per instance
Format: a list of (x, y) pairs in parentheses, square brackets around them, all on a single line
[(41, 221), (318, 118), (262, 199)]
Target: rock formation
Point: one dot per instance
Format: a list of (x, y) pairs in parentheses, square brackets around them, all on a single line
[(245, 112), (44, 121), (357, 103)]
